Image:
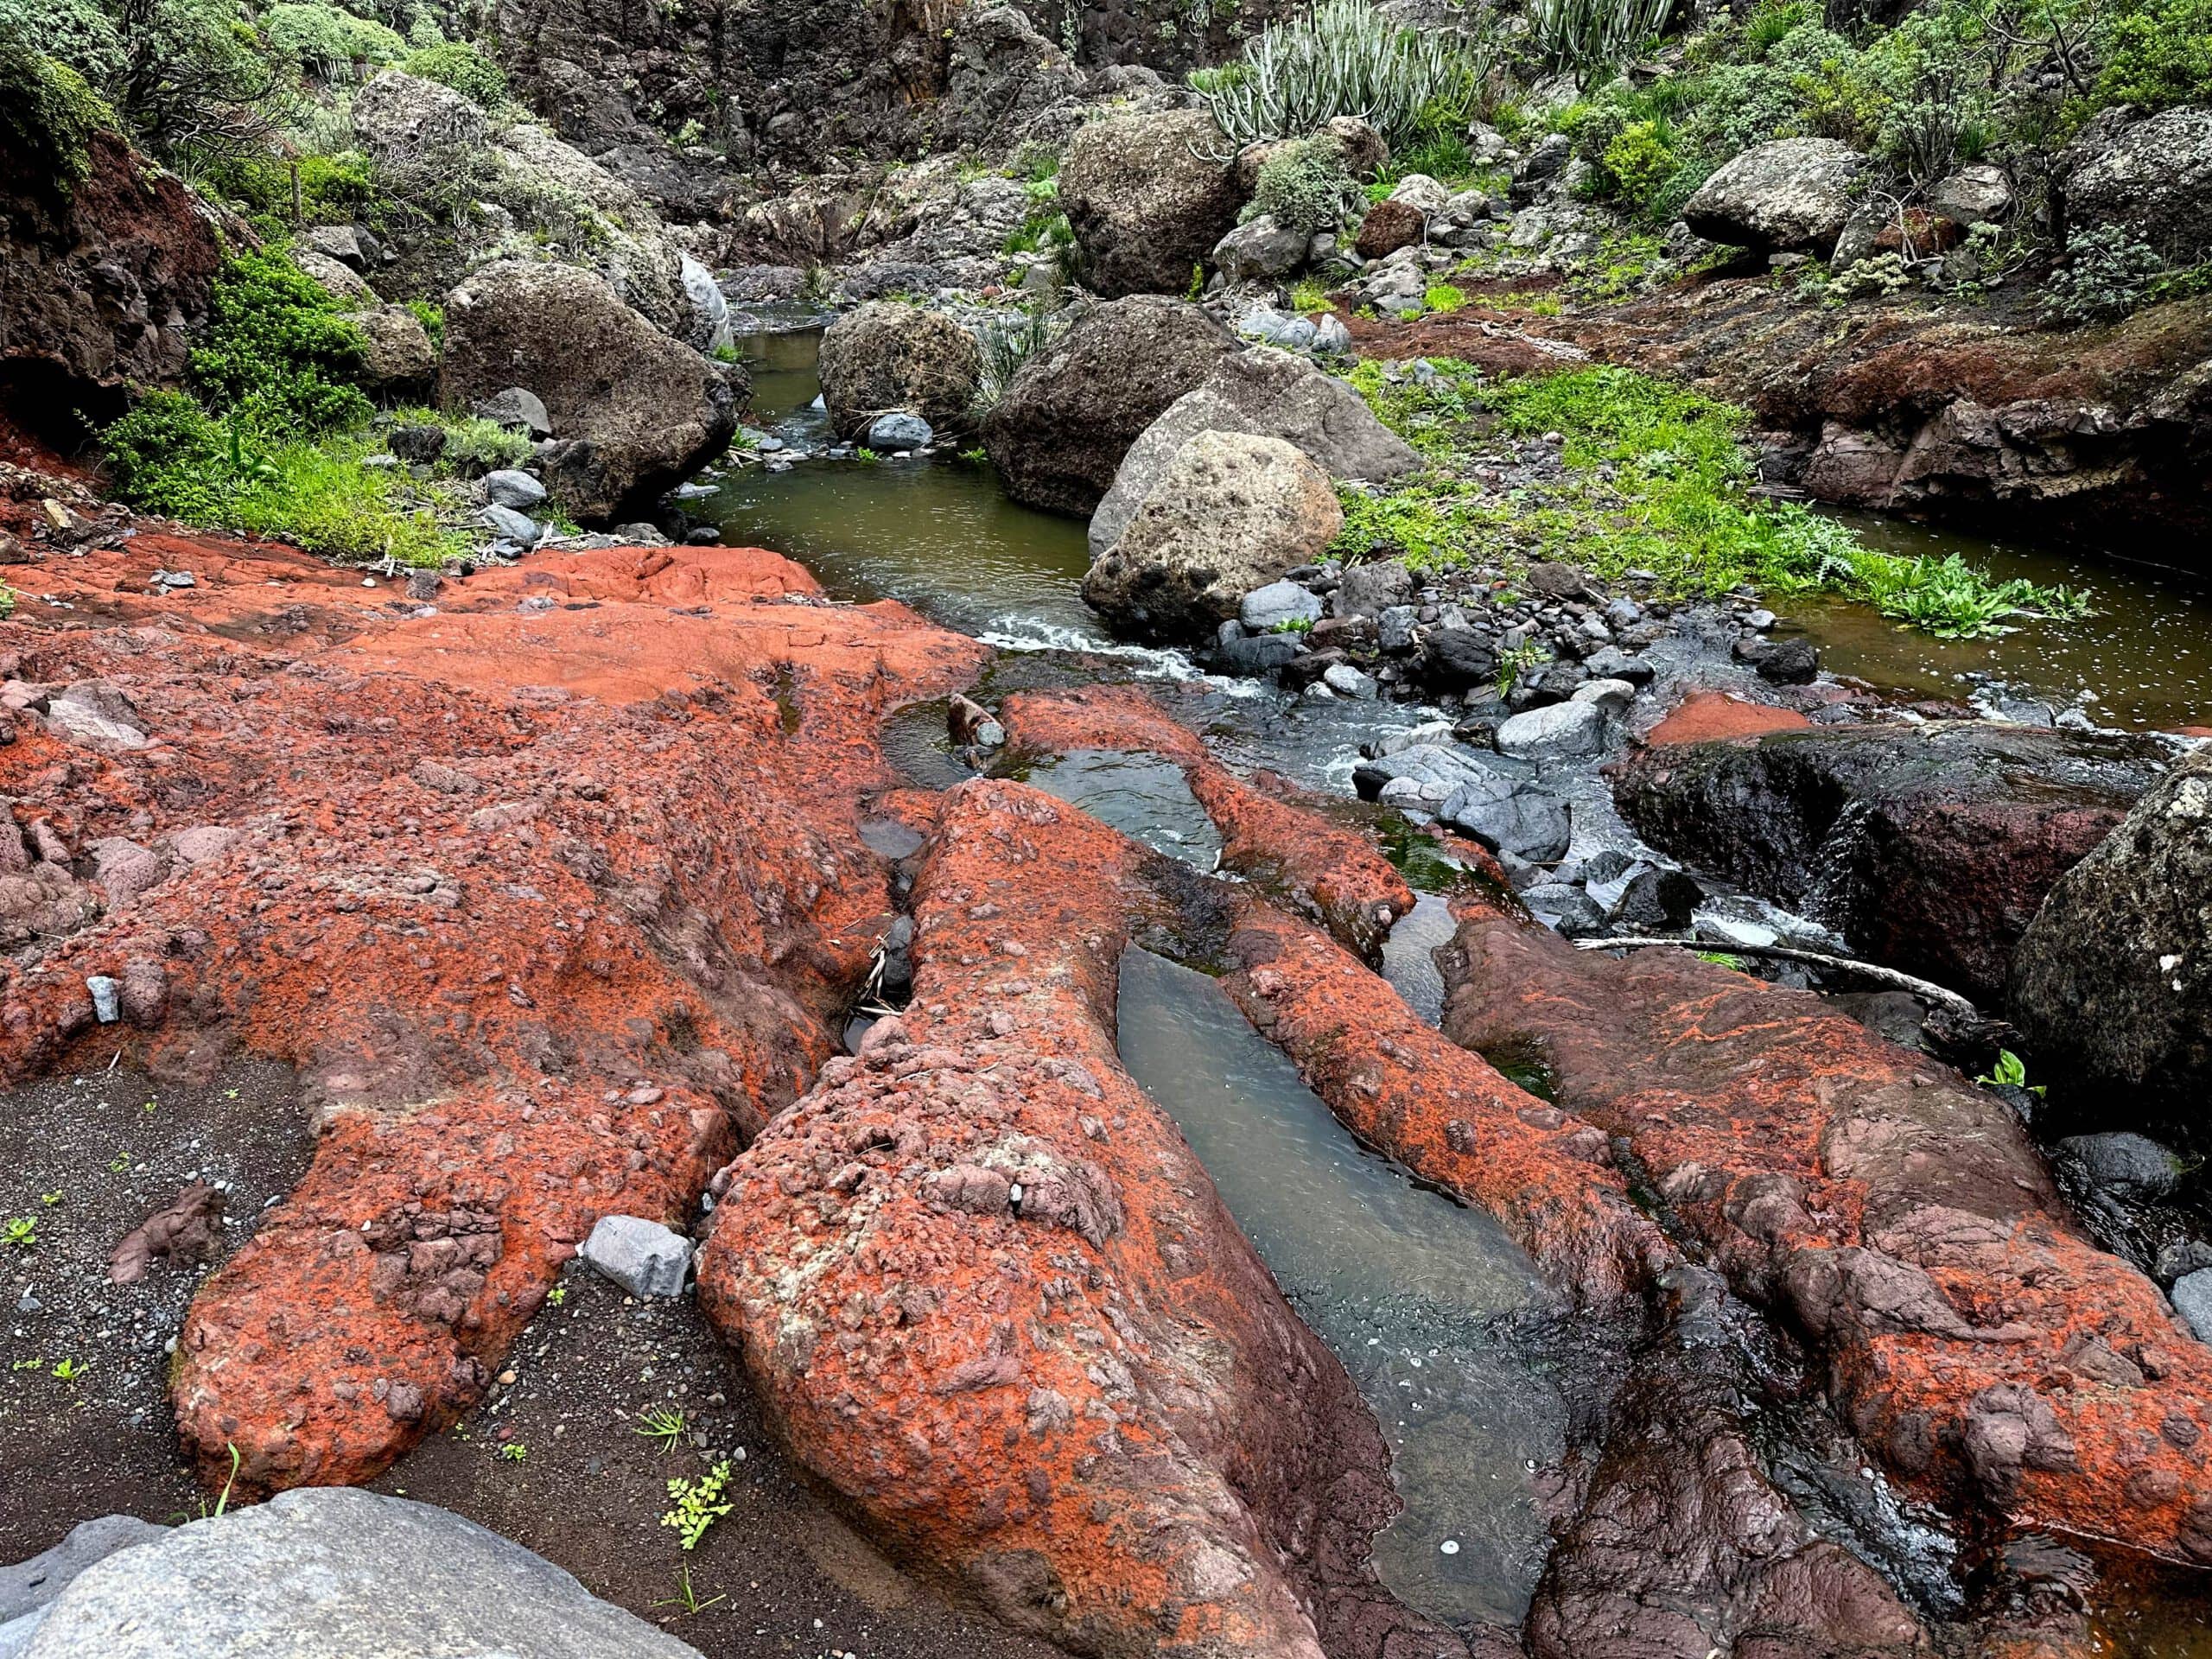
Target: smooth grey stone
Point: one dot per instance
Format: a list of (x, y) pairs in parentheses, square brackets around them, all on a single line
[(1512, 815), (899, 430), (335, 1573), (516, 527), (30, 1585), (2193, 1301), (644, 1258), (517, 406), (1557, 731), (1266, 608), (2124, 1160), (508, 487)]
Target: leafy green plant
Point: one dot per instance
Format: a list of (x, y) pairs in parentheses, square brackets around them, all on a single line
[(1004, 343), (2010, 1071), (461, 67), (1443, 296), (862, 453), (975, 456), (1309, 294), (514, 1452), (327, 44), (1518, 664), (698, 1503), (69, 1370), (21, 1231), (2158, 54), (1293, 625), (1347, 57), (686, 1597), (278, 352), (433, 319)]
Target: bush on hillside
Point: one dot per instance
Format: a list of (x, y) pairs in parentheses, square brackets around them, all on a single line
[(48, 117), (461, 67)]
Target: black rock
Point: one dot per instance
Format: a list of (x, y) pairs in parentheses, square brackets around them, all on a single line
[(1660, 899), (1258, 655), (419, 444), (1459, 660), (1301, 670), (1781, 662)]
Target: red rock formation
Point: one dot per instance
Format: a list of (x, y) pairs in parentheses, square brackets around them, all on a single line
[(994, 1301), (1986, 1351), (547, 901)]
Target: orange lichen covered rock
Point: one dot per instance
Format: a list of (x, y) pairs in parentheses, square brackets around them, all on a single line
[(1332, 872), (993, 1298), (548, 903), (1443, 1112), (1983, 1348)]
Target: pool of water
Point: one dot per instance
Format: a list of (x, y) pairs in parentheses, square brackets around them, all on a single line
[(2146, 657), (1144, 797), (1435, 1313)]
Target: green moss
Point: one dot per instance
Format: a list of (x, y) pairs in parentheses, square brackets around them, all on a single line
[(1656, 478), (47, 117)]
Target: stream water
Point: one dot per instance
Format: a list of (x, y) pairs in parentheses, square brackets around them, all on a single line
[(1471, 1371)]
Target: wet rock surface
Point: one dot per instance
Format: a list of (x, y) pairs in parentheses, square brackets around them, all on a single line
[(2110, 979), (1930, 847)]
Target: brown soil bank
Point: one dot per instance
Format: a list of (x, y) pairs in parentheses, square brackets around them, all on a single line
[(2099, 433)]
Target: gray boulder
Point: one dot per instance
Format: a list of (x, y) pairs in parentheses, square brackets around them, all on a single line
[(96, 714), (889, 355), (644, 1258), (336, 1573), (1147, 200), (1979, 194), (1071, 413), (2192, 1297), (899, 430), (28, 1586), (1790, 194), (510, 488), (400, 360), (1268, 393), (1232, 511), (1510, 815), (710, 329), (1267, 608), (516, 407), (1261, 250), (2154, 180), (1559, 731), (2111, 982), (636, 411)]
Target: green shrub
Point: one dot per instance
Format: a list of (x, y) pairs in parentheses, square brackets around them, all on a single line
[(167, 456), (1305, 186), (476, 446), (77, 33), (327, 44), (2107, 274), (278, 352), (334, 189), (48, 117), (1444, 296), (461, 67), (433, 319), (2159, 54)]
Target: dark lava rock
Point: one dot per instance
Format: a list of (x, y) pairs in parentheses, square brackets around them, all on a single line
[(2123, 1163), (1458, 659), (1073, 409), (2112, 981), (1928, 848), (1258, 655), (1370, 589), (1780, 662), (1565, 908), (1389, 226), (1308, 666), (1611, 663), (420, 444), (1660, 899)]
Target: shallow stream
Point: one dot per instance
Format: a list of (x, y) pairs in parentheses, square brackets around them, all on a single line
[(1435, 1314)]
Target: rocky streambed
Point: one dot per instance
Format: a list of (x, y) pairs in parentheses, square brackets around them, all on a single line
[(1142, 1267)]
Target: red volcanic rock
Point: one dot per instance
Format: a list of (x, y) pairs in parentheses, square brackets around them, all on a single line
[(1983, 1349), (1928, 847), (992, 1298), (1329, 871), (547, 901), (1387, 226), (1710, 716)]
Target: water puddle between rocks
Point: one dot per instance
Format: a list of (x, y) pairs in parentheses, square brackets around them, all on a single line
[(1144, 797), (1434, 1313)]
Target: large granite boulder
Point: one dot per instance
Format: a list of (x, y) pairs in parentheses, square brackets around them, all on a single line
[(1790, 194), (337, 1573), (1070, 413), (633, 411), (889, 355), (1928, 848), (1273, 394), (1232, 512), (2153, 179), (2112, 981), (1147, 199)]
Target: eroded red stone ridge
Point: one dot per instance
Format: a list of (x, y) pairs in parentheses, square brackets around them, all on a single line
[(1331, 871), (1444, 1113), (994, 1301), (1979, 1343), (547, 903)]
